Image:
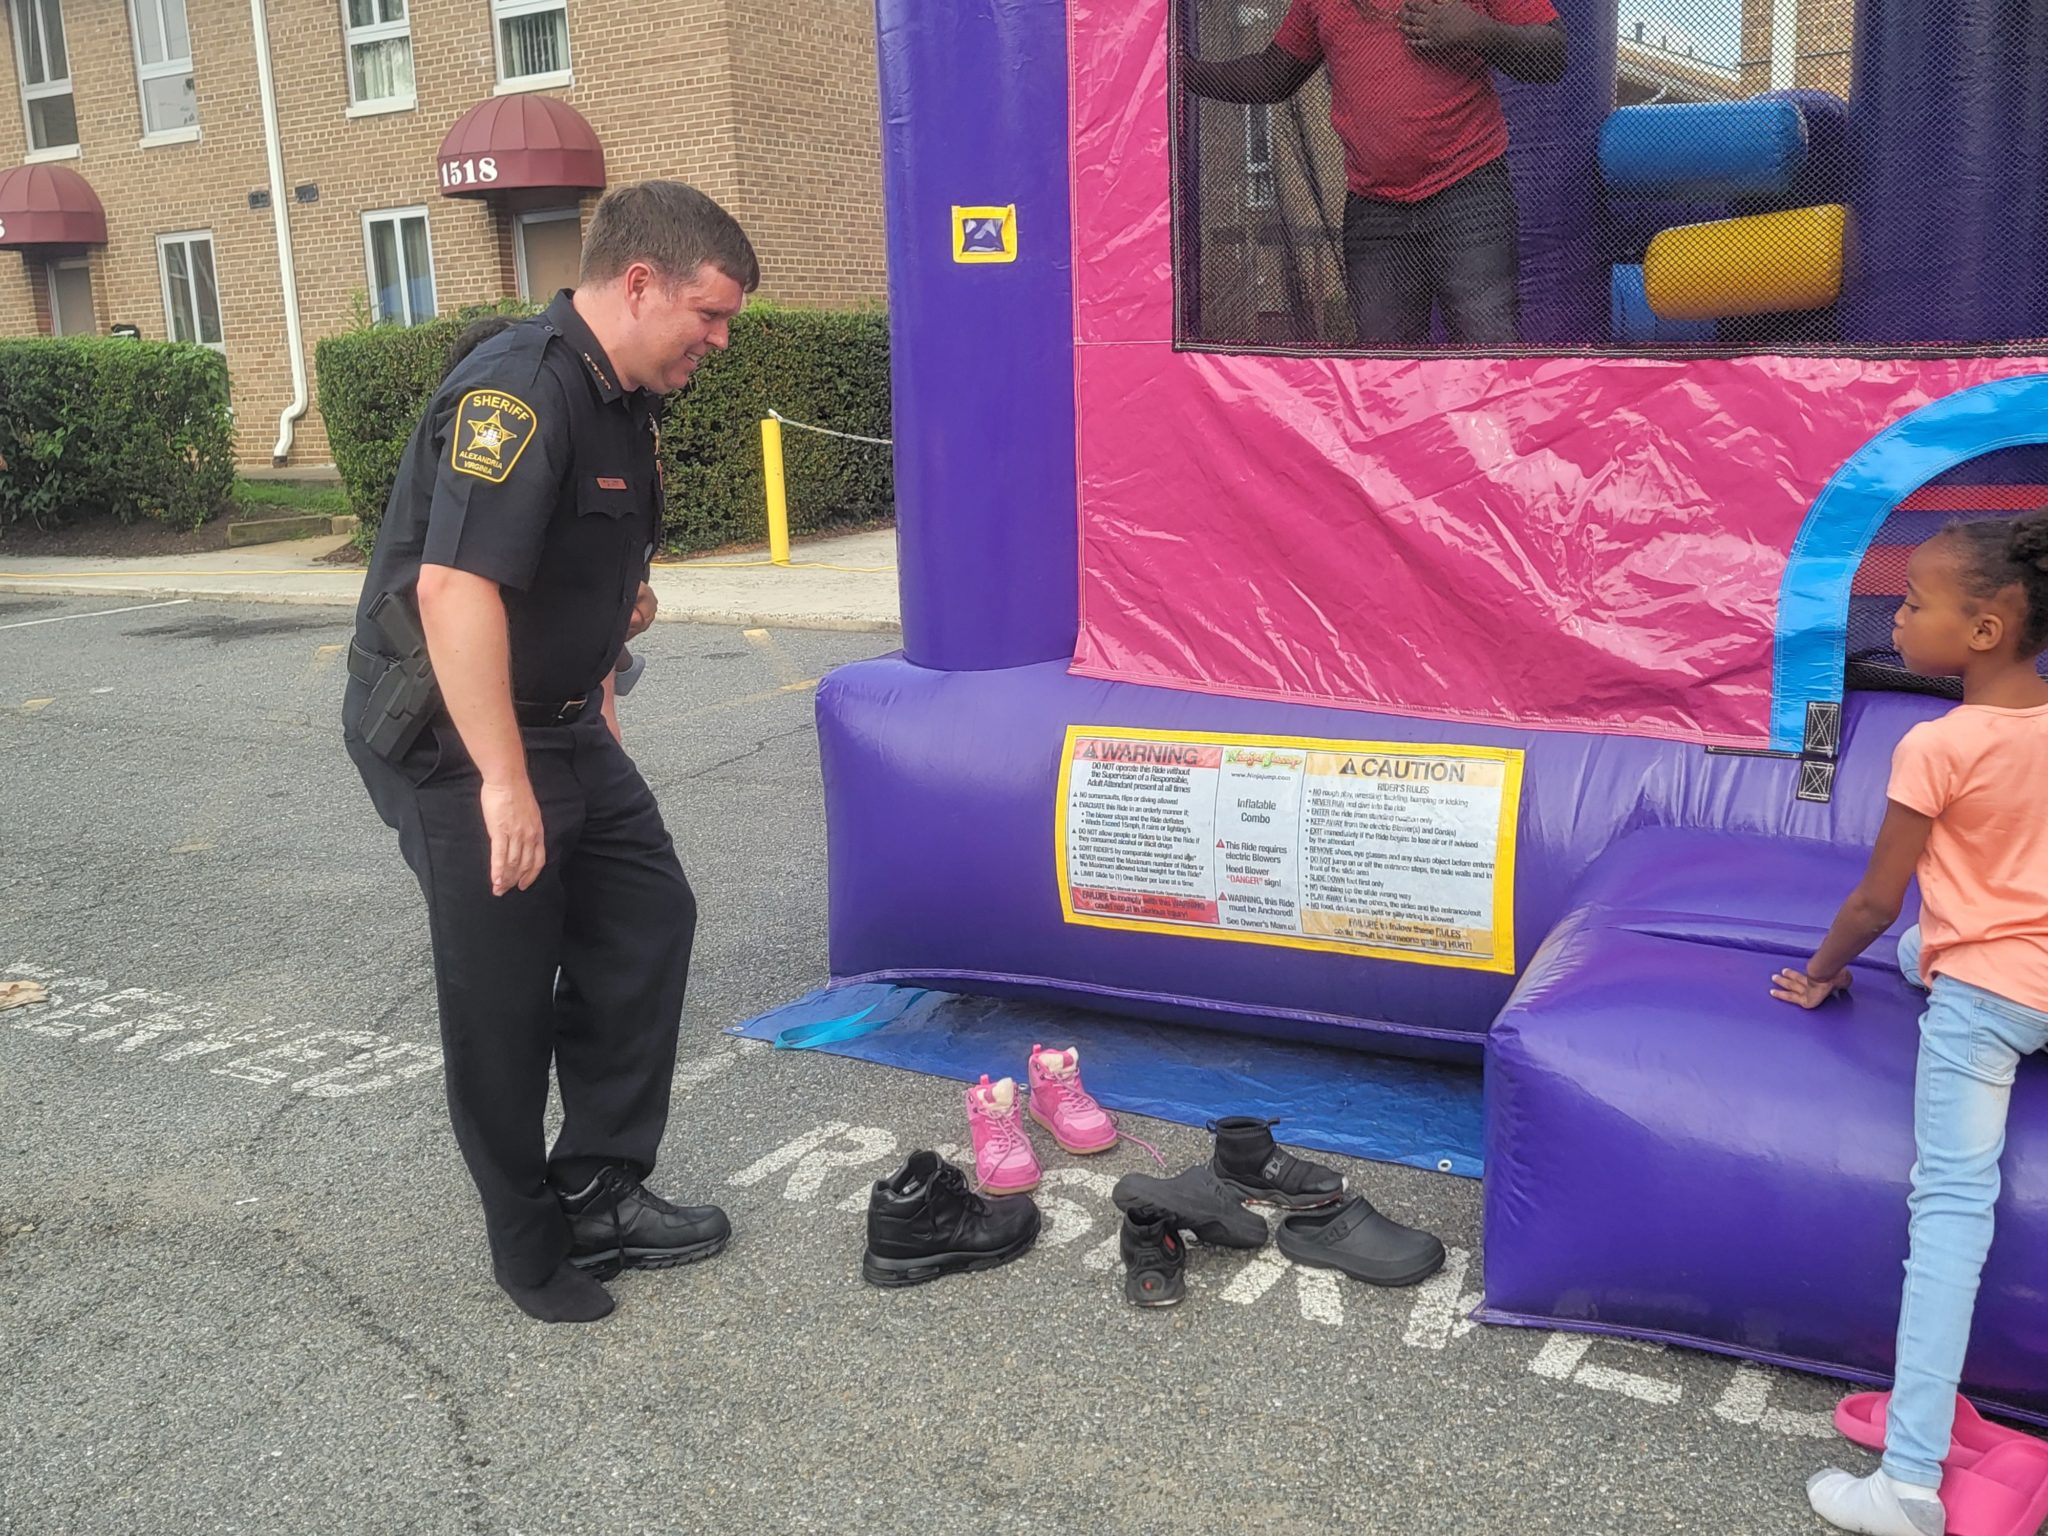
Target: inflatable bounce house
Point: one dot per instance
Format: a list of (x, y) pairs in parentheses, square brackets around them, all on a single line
[(1531, 707)]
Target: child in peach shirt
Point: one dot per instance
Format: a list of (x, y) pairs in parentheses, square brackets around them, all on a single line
[(1966, 816)]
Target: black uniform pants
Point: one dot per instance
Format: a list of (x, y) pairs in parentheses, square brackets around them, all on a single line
[(585, 969)]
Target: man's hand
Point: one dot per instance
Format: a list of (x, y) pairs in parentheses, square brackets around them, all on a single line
[(644, 607), (519, 844), (1808, 991), (1431, 26)]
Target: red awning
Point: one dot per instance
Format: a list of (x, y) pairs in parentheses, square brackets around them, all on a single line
[(520, 143), (49, 205)]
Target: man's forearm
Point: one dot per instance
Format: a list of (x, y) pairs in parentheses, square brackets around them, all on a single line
[(1255, 78), (1535, 54), (463, 618)]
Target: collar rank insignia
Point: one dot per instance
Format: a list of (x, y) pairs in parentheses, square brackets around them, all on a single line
[(492, 430)]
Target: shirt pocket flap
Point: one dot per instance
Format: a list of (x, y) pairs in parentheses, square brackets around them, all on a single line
[(605, 496)]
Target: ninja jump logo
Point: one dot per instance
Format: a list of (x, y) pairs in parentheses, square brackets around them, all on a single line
[(985, 234), (492, 430)]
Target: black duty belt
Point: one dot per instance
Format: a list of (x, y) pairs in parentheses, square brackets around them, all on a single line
[(367, 667)]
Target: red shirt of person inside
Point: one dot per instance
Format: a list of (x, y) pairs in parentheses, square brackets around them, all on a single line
[(1411, 123)]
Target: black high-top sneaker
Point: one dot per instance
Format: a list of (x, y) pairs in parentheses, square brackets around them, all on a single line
[(618, 1223), (925, 1222), (1247, 1160), (1155, 1259)]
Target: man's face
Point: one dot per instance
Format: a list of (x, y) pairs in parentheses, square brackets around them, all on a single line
[(677, 324)]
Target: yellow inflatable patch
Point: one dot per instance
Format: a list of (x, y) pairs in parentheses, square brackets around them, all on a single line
[(491, 431)]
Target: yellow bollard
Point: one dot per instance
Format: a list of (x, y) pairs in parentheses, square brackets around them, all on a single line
[(778, 491)]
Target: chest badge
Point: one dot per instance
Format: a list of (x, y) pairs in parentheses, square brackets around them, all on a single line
[(492, 430)]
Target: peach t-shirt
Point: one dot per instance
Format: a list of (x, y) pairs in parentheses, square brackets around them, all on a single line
[(1982, 775)]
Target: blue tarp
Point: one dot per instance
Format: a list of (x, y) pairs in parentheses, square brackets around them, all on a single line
[(1328, 1099)]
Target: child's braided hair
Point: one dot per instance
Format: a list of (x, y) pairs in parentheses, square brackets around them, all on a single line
[(2001, 552)]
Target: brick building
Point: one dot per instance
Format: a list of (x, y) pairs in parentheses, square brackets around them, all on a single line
[(427, 154)]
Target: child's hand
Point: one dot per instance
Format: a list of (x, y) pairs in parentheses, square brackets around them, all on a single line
[(1808, 991)]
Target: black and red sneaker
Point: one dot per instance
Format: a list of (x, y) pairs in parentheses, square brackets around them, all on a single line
[(1155, 1258)]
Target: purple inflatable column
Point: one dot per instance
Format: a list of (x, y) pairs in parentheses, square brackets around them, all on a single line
[(974, 115), (1950, 171), (1553, 153)]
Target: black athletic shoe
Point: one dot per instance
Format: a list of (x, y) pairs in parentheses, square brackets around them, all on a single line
[(617, 1223), (1359, 1241), (1247, 1161), (1198, 1203), (925, 1222), (1155, 1259)]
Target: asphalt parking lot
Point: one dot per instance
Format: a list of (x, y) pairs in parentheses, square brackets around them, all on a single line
[(242, 1281)]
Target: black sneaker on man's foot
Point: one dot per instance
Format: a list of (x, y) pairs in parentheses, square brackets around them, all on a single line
[(1155, 1259), (1198, 1203), (616, 1222), (925, 1222), (1247, 1160)]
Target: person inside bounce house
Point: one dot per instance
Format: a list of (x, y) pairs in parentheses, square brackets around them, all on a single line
[(1429, 217), (1963, 814)]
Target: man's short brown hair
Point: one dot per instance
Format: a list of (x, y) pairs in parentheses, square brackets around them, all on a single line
[(674, 228)]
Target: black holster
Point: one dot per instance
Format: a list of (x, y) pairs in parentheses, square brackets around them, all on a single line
[(403, 695)]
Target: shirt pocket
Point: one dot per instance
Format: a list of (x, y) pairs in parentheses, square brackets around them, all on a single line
[(609, 496)]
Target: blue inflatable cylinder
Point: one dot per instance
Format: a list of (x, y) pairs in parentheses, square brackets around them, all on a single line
[(1949, 159), (974, 117), (1637, 325), (1753, 148)]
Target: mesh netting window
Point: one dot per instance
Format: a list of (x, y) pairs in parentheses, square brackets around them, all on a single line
[(2009, 483), (1866, 176)]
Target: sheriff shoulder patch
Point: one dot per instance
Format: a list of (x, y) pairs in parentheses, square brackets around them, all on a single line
[(491, 431)]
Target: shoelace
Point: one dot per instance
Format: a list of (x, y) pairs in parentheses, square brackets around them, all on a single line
[(952, 1180), (626, 1187), (1070, 1082), (1004, 1129)]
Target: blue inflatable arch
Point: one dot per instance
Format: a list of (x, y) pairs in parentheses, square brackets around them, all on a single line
[(1813, 599)]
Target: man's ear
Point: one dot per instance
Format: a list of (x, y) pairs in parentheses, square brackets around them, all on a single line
[(634, 284)]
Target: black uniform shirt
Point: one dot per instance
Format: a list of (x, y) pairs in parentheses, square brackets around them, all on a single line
[(531, 467)]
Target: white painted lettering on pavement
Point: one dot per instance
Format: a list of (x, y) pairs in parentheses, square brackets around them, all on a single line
[(132, 1021)]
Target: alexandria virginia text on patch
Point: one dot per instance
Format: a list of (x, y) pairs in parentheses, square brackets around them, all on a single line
[(492, 430)]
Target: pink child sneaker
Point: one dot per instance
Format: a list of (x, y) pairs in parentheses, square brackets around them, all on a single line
[(1004, 1163), (1063, 1106)]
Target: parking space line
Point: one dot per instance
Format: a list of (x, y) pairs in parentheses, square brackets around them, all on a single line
[(101, 613)]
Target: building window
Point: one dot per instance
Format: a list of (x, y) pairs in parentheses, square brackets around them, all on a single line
[(45, 66), (401, 265), (71, 312), (379, 36), (191, 290), (533, 40), (163, 66), (549, 252)]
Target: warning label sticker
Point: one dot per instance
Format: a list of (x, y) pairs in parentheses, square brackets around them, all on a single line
[(1397, 851)]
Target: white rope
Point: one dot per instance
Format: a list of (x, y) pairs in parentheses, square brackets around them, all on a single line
[(851, 437)]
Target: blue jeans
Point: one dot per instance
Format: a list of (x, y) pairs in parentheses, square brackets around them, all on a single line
[(1454, 251), (1971, 1042)]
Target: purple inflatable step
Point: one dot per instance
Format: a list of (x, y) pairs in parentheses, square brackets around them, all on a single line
[(1672, 1155)]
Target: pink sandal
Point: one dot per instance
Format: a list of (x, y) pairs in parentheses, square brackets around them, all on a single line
[(1995, 1480)]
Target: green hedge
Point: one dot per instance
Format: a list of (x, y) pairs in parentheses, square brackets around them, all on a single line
[(113, 425), (826, 367)]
